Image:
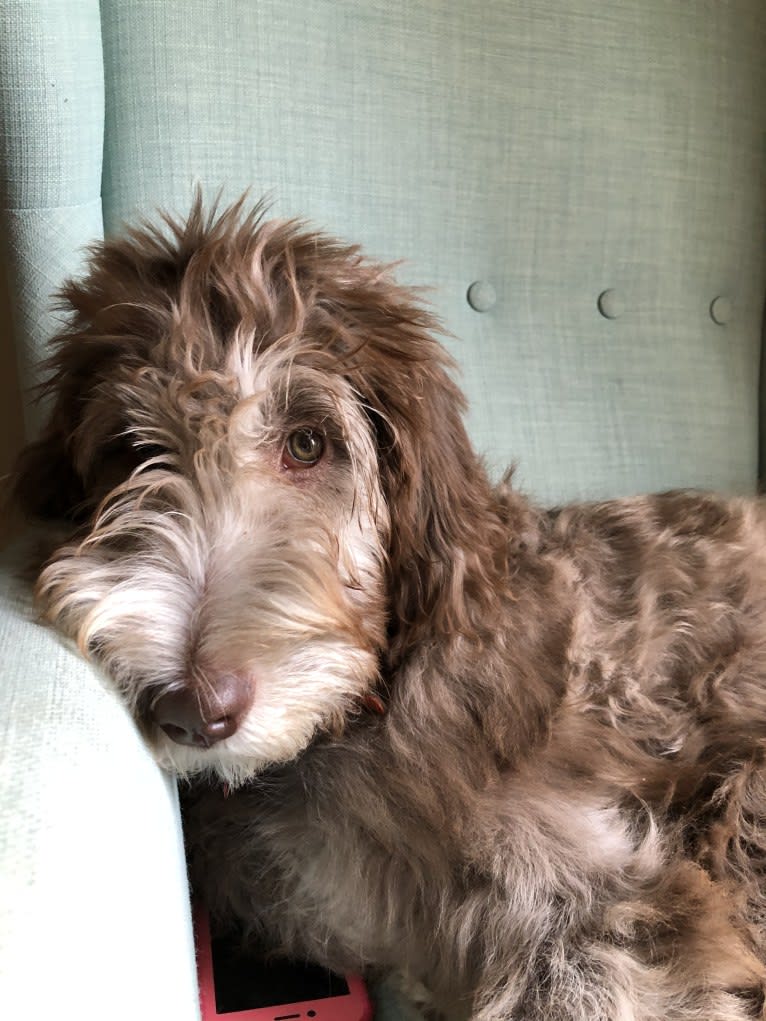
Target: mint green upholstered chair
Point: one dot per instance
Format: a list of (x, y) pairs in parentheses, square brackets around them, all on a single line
[(581, 184)]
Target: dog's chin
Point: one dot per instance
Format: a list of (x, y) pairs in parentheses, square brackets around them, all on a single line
[(219, 765)]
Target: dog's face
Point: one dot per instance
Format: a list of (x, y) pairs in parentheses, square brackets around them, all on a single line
[(255, 434)]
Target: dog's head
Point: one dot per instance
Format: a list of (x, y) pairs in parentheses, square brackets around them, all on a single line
[(256, 438)]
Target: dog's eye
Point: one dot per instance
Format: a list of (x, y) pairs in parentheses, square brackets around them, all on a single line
[(304, 448)]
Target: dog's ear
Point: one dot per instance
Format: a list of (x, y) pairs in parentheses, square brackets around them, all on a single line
[(45, 482), (62, 473), (448, 545), (52, 473)]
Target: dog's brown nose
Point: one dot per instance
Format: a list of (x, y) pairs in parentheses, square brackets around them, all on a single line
[(203, 716)]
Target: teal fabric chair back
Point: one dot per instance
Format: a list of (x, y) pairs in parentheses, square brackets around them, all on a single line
[(583, 188), (51, 145)]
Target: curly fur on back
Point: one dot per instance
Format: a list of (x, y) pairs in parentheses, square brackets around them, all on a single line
[(560, 815)]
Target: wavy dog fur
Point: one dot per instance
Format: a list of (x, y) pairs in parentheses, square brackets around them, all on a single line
[(560, 815)]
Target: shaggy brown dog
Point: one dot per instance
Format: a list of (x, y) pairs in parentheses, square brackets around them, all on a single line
[(518, 753)]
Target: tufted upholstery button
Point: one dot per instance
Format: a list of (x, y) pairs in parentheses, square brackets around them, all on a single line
[(610, 304), (720, 310), (481, 296)]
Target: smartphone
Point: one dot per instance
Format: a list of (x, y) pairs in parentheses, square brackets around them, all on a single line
[(237, 986)]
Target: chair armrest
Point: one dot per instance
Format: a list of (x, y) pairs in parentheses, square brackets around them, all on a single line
[(94, 908)]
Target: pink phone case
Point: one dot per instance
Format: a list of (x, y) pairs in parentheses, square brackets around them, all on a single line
[(353, 1006)]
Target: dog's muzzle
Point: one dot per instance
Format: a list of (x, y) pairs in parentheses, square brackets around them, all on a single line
[(202, 716)]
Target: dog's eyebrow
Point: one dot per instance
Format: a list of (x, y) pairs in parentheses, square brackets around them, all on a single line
[(307, 390), (313, 410)]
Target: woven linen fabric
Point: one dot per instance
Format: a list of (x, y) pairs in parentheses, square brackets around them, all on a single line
[(555, 151), (94, 912), (51, 141)]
